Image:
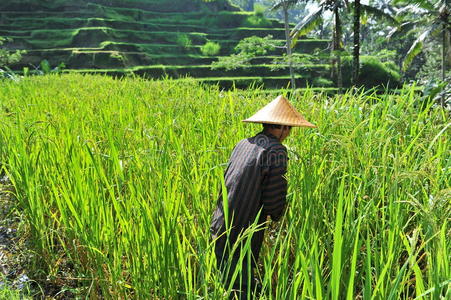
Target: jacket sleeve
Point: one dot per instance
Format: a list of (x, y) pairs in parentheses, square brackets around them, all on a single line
[(274, 185)]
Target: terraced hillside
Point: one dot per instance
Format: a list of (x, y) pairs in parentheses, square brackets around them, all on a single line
[(148, 37)]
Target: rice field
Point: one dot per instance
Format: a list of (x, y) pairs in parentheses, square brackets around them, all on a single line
[(117, 181)]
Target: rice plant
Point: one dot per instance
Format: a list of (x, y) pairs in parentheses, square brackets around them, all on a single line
[(117, 180)]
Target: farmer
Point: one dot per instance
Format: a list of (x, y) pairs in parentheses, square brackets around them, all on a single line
[(256, 188)]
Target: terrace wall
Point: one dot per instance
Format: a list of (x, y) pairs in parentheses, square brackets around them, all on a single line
[(145, 37)]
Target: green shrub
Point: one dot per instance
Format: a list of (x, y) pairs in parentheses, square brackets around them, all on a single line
[(183, 40), (259, 9), (246, 50), (224, 19), (8, 57), (255, 45), (210, 48), (116, 55), (373, 72), (386, 55), (322, 82), (256, 20)]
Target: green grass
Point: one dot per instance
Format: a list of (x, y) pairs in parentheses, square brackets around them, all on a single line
[(11, 294), (10, 291), (118, 178)]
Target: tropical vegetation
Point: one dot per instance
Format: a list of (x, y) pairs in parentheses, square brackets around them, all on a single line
[(117, 119)]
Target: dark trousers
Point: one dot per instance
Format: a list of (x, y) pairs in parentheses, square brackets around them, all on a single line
[(244, 285)]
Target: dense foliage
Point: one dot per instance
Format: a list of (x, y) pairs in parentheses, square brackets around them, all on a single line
[(418, 31), (8, 57)]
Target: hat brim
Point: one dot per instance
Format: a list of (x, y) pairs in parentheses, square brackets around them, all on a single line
[(279, 112), (292, 124)]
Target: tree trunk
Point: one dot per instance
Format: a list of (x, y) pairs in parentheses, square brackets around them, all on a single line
[(443, 61), (250, 5), (333, 61), (337, 47), (321, 28), (356, 59), (443, 52), (287, 36)]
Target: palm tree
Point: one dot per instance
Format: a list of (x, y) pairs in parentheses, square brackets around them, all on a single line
[(250, 5), (337, 6), (356, 45), (376, 12), (337, 40), (434, 20), (285, 5), (311, 21)]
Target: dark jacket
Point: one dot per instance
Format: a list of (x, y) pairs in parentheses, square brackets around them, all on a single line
[(255, 185)]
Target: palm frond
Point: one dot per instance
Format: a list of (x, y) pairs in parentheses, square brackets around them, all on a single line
[(436, 27), (378, 13), (307, 24), (403, 28), (279, 4), (415, 49), (425, 4), (347, 4), (440, 4)]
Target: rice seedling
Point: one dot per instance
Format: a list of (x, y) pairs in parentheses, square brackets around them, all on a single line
[(117, 180)]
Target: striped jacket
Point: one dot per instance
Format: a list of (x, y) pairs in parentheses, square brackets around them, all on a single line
[(255, 184)]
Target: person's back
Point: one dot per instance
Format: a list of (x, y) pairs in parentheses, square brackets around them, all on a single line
[(256, 164)]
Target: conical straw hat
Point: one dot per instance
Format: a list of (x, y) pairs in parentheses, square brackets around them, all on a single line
[(280, 112)]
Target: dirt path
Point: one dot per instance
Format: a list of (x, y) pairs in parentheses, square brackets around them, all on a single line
[(17, 258), (12, 256)]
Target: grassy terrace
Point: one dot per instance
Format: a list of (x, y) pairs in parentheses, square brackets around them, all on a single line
[(200, 19), (123, 36), (172, 65), (232, 35), (254, 71), (164, 6), (204, 70)]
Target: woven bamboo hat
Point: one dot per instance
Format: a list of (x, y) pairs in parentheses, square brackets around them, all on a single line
[(280, 112)]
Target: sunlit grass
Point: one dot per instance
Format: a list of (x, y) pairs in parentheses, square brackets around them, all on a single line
[(119, 178)]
